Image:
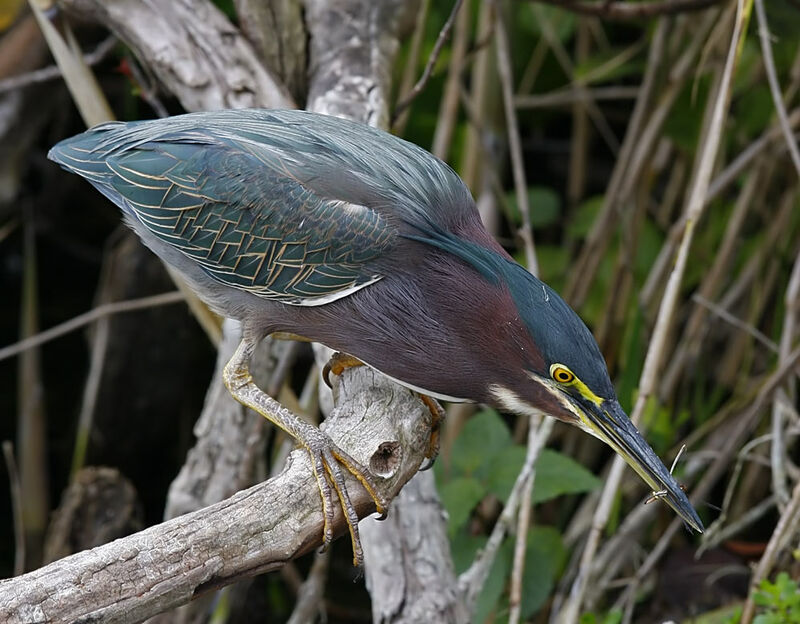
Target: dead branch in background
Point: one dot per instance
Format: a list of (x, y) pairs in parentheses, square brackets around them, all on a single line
[(631, 10), (774, 87), (105, 309), (444, 35), (51, 72), (503, 47)]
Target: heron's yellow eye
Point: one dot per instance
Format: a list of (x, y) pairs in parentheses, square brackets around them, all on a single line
[(562, 375)]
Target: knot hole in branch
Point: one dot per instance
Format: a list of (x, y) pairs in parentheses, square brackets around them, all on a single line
[(386, 459)]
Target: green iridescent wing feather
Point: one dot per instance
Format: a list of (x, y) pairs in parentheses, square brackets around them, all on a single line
[(236, 211)]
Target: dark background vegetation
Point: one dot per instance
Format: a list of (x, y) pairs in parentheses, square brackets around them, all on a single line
[(63, 251)]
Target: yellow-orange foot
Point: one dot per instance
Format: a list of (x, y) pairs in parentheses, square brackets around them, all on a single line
[(328, 462), (437, 418)]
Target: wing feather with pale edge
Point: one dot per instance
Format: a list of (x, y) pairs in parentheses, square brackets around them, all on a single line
[(236, 207)]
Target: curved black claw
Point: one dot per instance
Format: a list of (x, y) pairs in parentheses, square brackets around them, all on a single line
[(429, 462), (338, 363), (326, 374), (327, 461)]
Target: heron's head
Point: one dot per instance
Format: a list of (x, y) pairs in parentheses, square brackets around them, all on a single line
[(567, 378)]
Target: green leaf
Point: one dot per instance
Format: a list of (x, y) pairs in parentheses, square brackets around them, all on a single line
[(464, 548), (557, 474), (503, 473), (544, 557), (459, 498), (483, 437), (686, 117), (495, 583), (530, 20), (553, 264), (612, 617), (584, 217), (544, 204)]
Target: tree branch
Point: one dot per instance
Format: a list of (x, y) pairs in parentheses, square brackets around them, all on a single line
[(254, 531), (631, 10), (278, 34), (192, 48)]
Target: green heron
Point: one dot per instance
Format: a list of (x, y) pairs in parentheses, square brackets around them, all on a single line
[(328, 229)]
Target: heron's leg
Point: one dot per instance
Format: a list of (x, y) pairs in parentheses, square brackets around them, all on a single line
[(327, 459), (338, 363), (437, 418)]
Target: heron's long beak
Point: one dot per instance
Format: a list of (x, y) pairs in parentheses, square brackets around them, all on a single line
[(609, 422)]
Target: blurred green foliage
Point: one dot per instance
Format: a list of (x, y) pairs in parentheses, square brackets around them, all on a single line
[(779, 601), (612, 617), (485, 462)]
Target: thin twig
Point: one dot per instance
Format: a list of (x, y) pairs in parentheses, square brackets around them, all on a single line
[(514, 143), (146, 89), (579, 137), (748, 518), (631, 10), (571, 95), (709, 538), (81, 82), (51, 72), (735, 321), (444, 34), (31, 415), (89, 317), (563, 58), (477, 107), (97, 354), (538, 432), (448, 107), (774, 87), (746, 157), (16, 507), (778, 450)]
